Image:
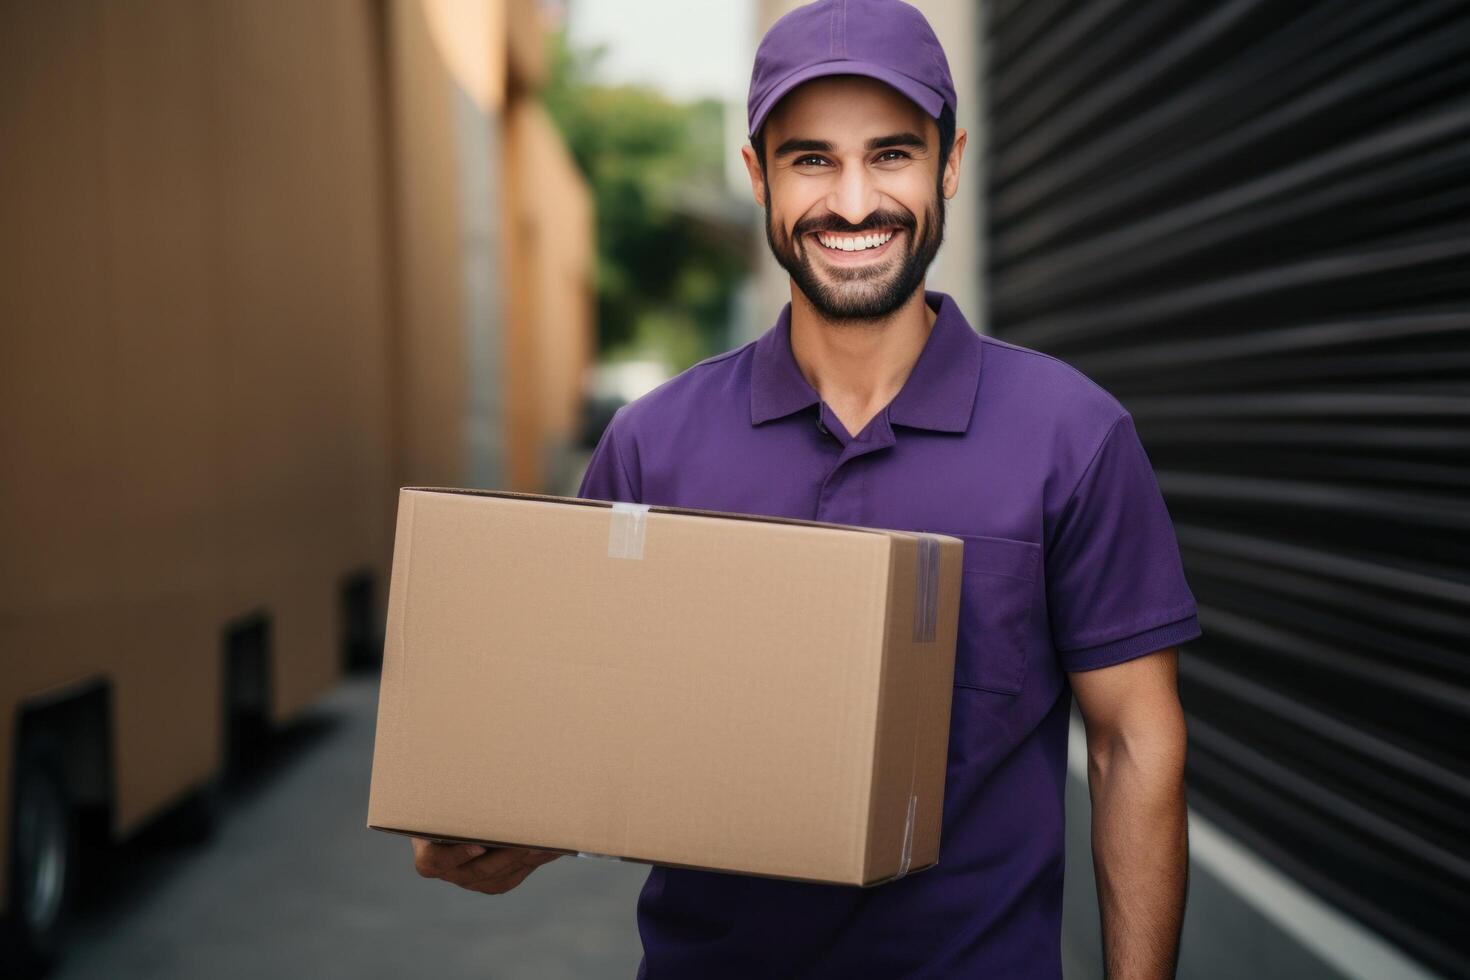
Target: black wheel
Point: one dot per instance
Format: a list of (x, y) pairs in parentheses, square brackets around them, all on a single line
[(43, 849)]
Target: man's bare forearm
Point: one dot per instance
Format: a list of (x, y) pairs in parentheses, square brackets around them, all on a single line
[(1140, 850)]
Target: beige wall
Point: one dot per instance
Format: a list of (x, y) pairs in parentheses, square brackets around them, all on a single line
[(550, 258), (248, 267), (194, 347), (497, 237), (956, 270), (550, 332)]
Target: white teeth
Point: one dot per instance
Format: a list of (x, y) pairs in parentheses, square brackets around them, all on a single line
[(850, 244)]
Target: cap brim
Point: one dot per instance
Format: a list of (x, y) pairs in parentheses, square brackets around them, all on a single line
[(928, 99)]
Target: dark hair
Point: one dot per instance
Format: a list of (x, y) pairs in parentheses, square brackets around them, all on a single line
[(946, 143)]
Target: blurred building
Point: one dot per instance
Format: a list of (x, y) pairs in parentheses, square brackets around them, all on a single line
[(261, 263), (1249, 222)]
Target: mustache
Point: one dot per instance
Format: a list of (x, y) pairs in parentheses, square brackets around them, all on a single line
[(874, 222)]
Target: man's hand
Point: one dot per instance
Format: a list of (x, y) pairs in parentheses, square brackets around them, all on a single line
[(492, 871)]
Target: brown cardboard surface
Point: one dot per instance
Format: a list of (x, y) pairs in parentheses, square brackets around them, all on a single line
[(746, 696)]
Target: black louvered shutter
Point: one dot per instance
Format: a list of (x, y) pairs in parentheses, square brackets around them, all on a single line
[(1250, 221)]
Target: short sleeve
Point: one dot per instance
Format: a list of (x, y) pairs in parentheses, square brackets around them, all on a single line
[(607, 475), (1114, 577)]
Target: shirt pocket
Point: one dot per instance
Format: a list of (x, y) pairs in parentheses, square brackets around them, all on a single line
[(996, 597)]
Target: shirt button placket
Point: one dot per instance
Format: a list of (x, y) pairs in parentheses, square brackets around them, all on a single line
[(831, 505), (833, 480)]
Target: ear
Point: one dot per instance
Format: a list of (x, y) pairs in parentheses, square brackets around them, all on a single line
[(952, 166), (757, 179)]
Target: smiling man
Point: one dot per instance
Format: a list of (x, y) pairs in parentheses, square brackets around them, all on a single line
[(872, 401), (858, 270)]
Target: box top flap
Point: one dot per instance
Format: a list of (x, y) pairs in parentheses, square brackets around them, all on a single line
[(666, 509)]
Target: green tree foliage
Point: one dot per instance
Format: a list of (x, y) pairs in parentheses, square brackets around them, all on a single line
[(664, 278)]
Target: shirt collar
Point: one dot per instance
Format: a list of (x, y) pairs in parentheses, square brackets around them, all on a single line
[(939, 393)]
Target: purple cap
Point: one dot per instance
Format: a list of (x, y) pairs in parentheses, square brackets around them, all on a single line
[(883, 39)]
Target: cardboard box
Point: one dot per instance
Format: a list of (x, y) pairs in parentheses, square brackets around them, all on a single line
[(667, 685)]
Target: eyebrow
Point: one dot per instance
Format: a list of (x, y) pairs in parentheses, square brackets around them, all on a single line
[(876, 143)]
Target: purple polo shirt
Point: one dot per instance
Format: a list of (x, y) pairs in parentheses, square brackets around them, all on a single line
[(1070, 563)]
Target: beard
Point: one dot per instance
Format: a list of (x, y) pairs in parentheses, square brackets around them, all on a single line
[(874, 292)]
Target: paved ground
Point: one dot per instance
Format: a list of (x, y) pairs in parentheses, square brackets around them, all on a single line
[(294, 885)]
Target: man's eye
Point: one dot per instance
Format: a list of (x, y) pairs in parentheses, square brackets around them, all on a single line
[(808, 161)]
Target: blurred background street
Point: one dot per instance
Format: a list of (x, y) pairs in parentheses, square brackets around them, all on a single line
[(264, 262), (293, 885)]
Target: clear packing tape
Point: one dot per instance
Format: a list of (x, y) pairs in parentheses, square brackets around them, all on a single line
[(626, 532), (926, 621), (625, 537), (906, 852), (926, 588)]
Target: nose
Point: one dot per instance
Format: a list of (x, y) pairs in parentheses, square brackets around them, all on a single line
[(854, 196)]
